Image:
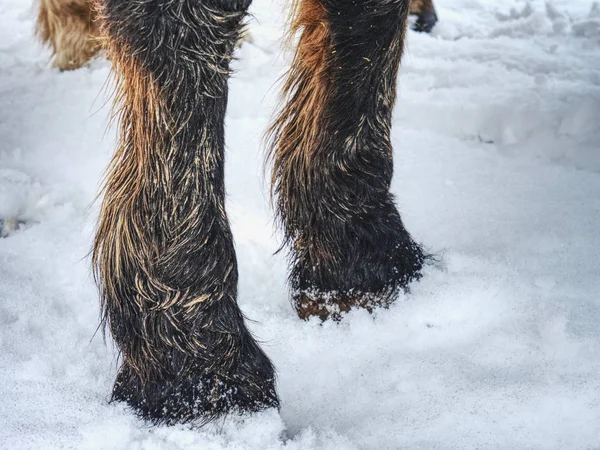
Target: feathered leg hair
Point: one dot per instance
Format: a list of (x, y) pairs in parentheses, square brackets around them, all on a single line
[(332, 158), (163, 254)]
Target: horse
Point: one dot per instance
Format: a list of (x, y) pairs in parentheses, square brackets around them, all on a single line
[(163, 254)]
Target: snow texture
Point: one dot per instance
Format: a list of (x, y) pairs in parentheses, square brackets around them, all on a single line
[(497, 159)]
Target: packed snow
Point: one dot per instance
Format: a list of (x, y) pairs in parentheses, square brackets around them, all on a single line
[(497, 159)]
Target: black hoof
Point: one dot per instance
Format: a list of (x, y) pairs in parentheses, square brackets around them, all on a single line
[(198, 394), (425, 22), (369, 295), (367, 269)]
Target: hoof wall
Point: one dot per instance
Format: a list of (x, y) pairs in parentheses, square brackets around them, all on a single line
[(196, 397), (334, 305)]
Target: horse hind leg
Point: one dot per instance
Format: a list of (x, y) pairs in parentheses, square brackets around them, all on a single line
[(426, 15), (332, 158), (70, 29)]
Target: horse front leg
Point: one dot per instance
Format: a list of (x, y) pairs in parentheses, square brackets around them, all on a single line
[(163, 253), (332, 158)]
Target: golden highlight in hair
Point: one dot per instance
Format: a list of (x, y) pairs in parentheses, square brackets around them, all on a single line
[(70, 28)]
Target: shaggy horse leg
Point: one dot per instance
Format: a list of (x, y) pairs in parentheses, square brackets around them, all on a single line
[(69, 27), (426, 15), (332, 158), (164, 254)]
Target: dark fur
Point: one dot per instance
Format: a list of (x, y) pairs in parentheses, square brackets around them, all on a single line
[(71, 29), (332, 159), (426, 15), (164, 255)]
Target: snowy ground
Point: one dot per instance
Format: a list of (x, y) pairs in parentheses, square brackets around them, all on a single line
[(497, 170)]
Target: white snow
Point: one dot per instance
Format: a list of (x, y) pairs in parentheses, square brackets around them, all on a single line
[(497, 159)]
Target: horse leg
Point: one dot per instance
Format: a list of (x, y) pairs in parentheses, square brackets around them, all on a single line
[(70, 28), (332, 158), (163, 255), (426, 15)]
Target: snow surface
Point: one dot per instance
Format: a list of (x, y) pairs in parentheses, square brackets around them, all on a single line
[(496, 135)]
